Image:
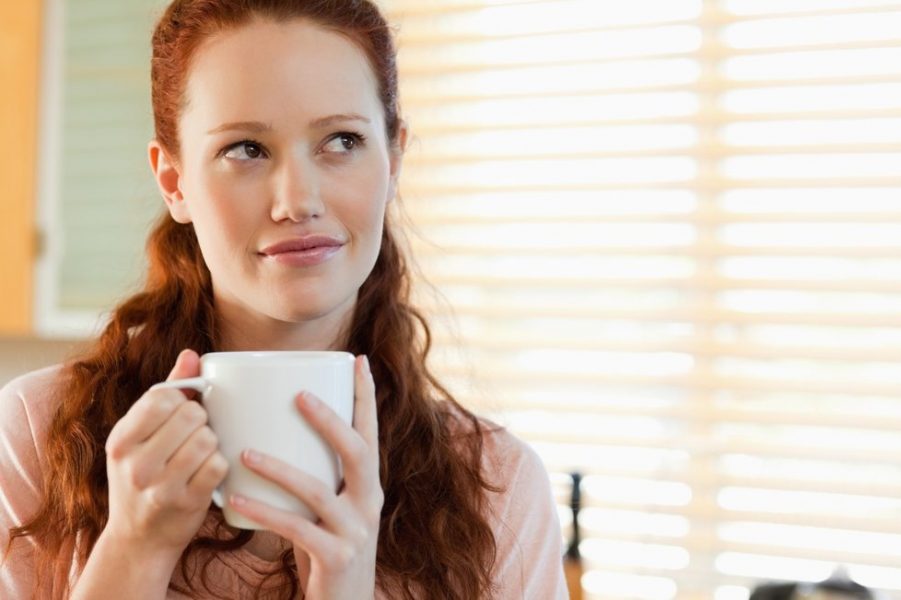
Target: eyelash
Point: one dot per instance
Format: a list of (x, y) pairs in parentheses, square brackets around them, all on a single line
[(358, 138), (245, 142)]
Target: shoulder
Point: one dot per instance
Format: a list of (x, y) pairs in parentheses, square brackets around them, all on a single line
[(522, 514), (27, 404), (32, 393), (501, 449), (516, 469), (507, 461), (35, 382), (505, 450)]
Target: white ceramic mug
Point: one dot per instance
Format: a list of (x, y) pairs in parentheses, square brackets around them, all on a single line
[(249, 397)]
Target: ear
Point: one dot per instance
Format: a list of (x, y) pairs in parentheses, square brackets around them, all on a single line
[(396, 158), (165, 171)]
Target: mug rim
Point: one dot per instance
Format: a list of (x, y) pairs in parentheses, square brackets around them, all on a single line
[(241, 355)]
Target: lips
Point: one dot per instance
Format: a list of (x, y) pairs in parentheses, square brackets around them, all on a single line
[(302, 252), (302, 244)]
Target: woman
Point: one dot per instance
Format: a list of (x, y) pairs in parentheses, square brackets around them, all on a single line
[(278, 147)]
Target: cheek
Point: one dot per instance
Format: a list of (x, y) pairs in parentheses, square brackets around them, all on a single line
[(220, 216), (363, 204), (365, 225), (370, 218), (375, 224)]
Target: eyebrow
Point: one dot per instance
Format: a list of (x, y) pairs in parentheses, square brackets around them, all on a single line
[(330, 120), (260, 127)]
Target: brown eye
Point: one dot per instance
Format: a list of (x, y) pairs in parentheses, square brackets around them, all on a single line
[(244, 150), (344, 143)]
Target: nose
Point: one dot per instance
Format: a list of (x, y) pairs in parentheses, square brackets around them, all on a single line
[(296, 196)]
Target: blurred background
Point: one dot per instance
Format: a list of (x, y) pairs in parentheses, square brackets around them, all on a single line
[(664, 238)]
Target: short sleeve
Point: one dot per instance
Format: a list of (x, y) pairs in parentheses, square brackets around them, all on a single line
[(527, 529), (25, 411)]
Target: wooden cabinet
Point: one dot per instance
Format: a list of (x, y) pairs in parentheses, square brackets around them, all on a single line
[(20, 42)]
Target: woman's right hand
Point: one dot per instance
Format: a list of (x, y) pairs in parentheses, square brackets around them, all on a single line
[(162, 463)]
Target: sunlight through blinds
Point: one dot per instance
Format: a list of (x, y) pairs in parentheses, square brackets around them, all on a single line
[(667, 240)]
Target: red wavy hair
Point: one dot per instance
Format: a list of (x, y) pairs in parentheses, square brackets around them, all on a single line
[(434, 539)]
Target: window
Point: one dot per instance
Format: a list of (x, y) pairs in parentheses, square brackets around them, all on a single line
[(96, 193), (667, 237)]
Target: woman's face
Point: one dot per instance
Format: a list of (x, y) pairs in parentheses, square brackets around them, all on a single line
[(282, 141)]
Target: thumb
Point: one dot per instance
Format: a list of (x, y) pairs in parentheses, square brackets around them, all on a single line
[(186, 365)]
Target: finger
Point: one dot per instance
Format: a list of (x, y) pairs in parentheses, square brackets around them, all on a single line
[(299, 531), (191, 454), (186, 365), (210, 474), (140, 422), (366, 420), (183, 422), (360, 462), (151, 410), (189, 457), (318, 496)]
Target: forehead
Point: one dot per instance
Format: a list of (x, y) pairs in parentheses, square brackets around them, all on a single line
[(271, 71)]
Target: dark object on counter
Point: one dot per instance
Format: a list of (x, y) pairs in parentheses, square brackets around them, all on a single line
[(837, 587), (572, 560)]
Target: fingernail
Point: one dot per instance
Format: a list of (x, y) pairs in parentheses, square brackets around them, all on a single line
[(252, 456), (238, 500), (308, 400)]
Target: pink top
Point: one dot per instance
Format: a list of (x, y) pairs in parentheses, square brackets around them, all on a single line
[(524, 518)]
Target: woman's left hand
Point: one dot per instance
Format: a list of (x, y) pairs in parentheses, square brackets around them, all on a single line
[(339, 550)]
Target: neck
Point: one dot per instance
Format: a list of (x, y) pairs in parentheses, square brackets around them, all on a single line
[(240, 330)]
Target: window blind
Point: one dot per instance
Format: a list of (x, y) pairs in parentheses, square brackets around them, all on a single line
[(666, 237)]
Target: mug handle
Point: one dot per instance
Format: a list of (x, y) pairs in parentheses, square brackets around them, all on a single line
[(202, 386)]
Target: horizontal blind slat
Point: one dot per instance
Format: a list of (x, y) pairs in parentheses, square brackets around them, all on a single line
[(717, 294)]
